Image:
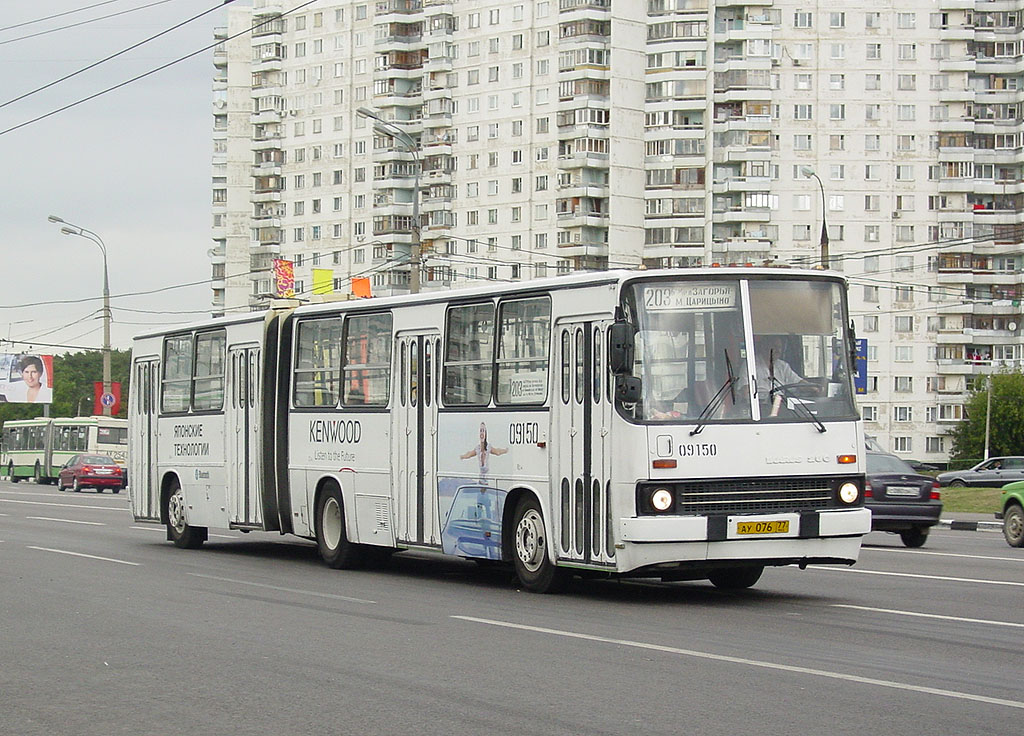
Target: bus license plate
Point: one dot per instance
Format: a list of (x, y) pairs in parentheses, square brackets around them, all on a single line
[(778, 526)]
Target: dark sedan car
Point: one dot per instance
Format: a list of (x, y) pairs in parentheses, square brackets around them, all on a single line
[(996, 472), (91, 471), (901, 501)]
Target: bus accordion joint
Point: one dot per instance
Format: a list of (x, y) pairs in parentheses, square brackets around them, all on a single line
[(669, 463), (846, 459)]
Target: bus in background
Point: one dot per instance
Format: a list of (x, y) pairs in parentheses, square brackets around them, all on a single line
[(38, 448), (683, 425)]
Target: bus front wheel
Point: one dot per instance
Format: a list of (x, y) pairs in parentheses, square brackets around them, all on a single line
[(533, 566), (179, 531), (331, 540)]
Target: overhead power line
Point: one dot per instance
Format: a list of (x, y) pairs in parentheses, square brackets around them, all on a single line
[(57, 15), (81, 23), (112, 56), (149, 73)]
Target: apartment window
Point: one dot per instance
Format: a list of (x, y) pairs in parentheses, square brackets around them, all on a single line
[(871, 294), (871, 235), (837, 50), (837, 143), (903, 323), (540, 240), (492, 217), (906, 82), (904, 354), (803, 112), (870, 413), (802, 81), (873, 51), (872, 82), (903, 384), (906, 51), (542, 125), (935, 444), (541, 183), (904, 233), (492, 186), (872, 112), (837, 20), (905, 142), (906, 113), (906, 20), (517, 242), (871, 323), (801, 232), (837, 112), (872, 202), (837, 82), (802, 142), (904, 172), (543, 38), (802, 19), (902, 444)]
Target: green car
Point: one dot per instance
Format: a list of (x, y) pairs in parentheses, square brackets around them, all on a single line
[(1012, 514)]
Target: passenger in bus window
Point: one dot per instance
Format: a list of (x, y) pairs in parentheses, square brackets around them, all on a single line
[(32, 387), (483, 452)]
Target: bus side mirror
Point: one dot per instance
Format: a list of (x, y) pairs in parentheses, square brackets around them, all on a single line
[(620, 347), (627, 389)]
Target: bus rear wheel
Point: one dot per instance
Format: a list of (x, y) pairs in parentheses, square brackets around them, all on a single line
[(331, 539), (735, 578), (533, 566), (183, 535)]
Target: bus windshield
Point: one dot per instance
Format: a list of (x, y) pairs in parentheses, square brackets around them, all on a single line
[(694, 342)]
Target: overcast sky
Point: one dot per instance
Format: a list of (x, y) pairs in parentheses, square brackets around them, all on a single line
[(132, 165)]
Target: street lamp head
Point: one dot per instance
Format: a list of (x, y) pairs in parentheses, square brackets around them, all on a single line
[(807, 171), (367, 113), (68, 231), (54, 218)]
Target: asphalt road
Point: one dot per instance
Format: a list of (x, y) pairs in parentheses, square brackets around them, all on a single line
[(108, 629)]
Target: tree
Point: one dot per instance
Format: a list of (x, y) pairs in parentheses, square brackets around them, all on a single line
[(74, 376), (1006, 428)]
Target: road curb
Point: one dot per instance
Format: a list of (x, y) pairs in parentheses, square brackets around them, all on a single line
[(971, 526)]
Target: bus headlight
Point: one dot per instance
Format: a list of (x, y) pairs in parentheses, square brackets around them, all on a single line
[(849, 492), (661, 499)]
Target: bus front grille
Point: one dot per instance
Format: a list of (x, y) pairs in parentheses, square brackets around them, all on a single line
[(754, 495)]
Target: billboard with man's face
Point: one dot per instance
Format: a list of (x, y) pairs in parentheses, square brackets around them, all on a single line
[(26, 378)]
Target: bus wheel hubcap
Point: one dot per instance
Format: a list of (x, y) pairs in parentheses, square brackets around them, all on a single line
[(176, 511), (330, 525), (530, 546)]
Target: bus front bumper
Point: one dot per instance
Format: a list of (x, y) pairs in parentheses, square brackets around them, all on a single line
[(826, 536)]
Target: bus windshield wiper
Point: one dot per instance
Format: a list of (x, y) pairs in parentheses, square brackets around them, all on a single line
[(718, 398), (796, 404)]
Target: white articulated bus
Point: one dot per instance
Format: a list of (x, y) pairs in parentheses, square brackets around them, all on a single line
[(37, 448), (685, 424)]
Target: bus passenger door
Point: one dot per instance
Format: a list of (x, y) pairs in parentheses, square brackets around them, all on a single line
[(242, 437), (582, 419), (414, 436), (144, 486)]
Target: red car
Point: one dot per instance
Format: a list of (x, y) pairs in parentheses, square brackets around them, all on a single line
[(91, 471)]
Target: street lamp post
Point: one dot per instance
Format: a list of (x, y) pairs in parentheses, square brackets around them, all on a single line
[(808, 171), (393, 131), (71, 229)]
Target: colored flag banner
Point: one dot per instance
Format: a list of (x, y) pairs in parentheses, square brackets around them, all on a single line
[(284, 278), (102, 400), (323, 281)]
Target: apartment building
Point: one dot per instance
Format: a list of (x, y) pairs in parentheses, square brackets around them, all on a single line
[(559, 135)]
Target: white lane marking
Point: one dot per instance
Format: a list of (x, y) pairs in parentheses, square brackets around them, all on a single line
[(109, 497), (150, 528), (79, 554), (929, 615), (332, 596), (916, 575), (752, 662), (225, 536), (942, 554), (65, 505), (66, 521)]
